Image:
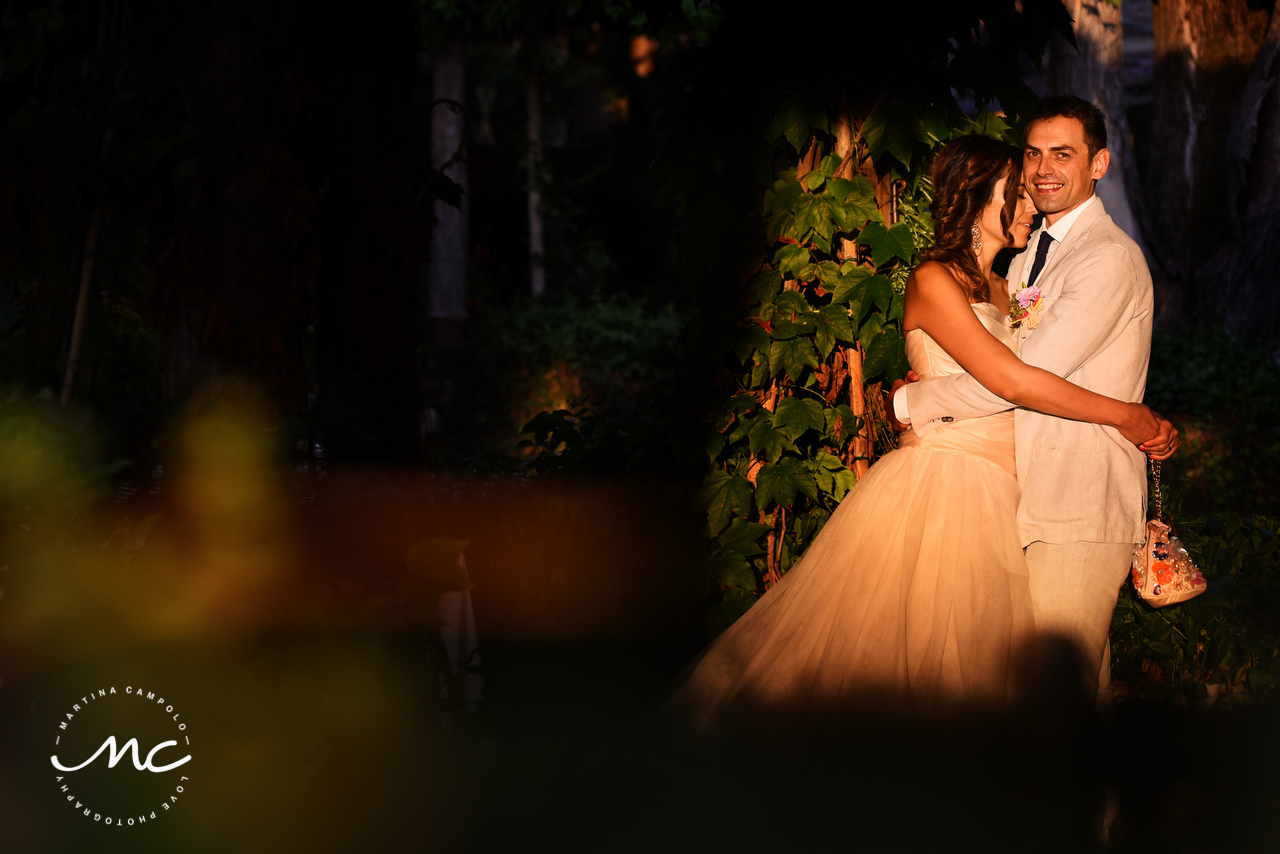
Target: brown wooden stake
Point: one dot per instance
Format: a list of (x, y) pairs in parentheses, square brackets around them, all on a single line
[(860, 447), (770, 401), (774, 546)]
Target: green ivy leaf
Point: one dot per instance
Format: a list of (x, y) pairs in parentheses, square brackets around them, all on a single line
[(831, 475), (725, 416), (785, 330), (894, 127), (793, 356), (791, 259), (749, 338), (723, 496), (780, 223), (809, 273), (995, 126), (760, 374), (763, 285), (825, 224), (791, 304), (782, 482), (766, 440), (886, 243), (901, 241), (851, 280), (838, 318), (715, 444), (823, 337), (879, 292), (885, 355), (830, 164), (808, 212), (857, 203), (783, 195), (829, 275), (794, 416), (859, 187), (871, 327), (743, 537), (733, 569), (814, 180), (797, 121)]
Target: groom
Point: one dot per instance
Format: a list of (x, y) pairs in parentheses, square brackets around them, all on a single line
[(1084, 487)]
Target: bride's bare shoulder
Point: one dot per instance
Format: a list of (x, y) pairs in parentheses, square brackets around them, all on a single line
[(933, 291), (933, 280)]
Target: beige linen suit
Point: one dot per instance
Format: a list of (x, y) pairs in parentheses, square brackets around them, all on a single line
[(1083, 485)]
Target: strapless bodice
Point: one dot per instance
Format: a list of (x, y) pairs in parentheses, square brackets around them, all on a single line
[(929, 360), (991, 437)]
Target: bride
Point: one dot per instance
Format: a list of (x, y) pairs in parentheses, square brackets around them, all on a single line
[(915, 592)]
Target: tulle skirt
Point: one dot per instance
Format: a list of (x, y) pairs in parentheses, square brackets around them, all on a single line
[(914, 593)]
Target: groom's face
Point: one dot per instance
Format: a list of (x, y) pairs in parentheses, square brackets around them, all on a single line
[(1057, 167)]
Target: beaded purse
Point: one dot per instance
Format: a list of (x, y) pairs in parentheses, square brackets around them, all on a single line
[(1163, 573)]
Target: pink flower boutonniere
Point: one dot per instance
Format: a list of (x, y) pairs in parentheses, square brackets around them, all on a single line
[(1025, 305)]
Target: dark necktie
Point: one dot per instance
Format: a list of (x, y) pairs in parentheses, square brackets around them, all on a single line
[(1042, 252)]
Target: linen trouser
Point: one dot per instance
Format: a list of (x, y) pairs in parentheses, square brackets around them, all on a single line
[(1074, 587)]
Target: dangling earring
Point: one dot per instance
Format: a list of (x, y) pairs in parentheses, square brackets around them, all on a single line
[(977, 239)]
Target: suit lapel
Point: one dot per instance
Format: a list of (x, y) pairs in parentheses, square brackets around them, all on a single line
[(1018, 268), (1049, 280)]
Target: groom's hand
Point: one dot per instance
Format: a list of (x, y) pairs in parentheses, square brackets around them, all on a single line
[(898, 426), (1165, 444)]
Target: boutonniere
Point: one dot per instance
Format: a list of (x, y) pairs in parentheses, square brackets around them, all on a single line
[(1025, 305)]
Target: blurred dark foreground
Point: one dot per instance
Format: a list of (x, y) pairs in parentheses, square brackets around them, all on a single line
[(332, 742), (291, 621)]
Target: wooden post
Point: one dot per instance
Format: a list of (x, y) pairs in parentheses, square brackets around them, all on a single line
[(860, 448)]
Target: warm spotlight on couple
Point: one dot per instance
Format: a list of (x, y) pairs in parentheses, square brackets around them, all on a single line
[(1011, 509)]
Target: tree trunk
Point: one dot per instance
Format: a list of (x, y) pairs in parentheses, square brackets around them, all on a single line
[(450, 239), (1243, 276), (1204, 50), (533, 109), (1095, 72)]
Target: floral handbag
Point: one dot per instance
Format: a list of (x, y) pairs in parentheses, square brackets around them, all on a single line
[(1163, 573)]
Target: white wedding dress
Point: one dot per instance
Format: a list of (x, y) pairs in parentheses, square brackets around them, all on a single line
[(914, 593)]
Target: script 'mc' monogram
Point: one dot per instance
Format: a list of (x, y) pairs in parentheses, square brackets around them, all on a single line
[(116, 755)]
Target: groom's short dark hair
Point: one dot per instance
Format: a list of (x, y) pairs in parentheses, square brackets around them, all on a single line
[(1071, 107)]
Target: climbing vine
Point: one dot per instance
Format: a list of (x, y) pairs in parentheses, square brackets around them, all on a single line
[(823, 332)]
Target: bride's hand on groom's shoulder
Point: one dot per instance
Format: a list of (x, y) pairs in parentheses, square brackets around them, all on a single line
[(1166, 442)]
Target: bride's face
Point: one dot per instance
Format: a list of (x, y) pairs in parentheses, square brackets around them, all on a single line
[(1023, 218)]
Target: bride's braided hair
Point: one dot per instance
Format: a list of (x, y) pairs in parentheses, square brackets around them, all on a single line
[(965, 174)]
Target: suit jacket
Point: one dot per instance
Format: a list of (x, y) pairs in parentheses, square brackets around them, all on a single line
[(1080, 482)]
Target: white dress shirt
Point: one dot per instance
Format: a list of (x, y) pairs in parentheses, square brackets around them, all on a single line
[(1058, 231)]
